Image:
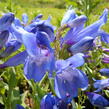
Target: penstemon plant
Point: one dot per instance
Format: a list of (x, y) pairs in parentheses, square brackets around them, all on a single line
[(57, 66)]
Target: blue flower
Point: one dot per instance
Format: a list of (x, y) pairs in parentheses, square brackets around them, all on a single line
[(77, 31), (104, 72), (4, 35), (76, 26), (38, 57), (37, 18), (35, 68), (10, 47), (24, 18), (68, 81), (105, 58), (48, 102), (52, 102), (6, 21), (82, 46), (69, 16), (19, 107), (42, 26), (15, 60), (76, 60), (101, 84), (97, 100)]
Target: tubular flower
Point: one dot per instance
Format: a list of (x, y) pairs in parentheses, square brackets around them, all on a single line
[(6, 21), (4, 35), (97, 100), (105, 58), (101, 84), (24, 18), (68, 81), (10, 47), (48, 102), (38, 57), (67, 75), (35, 68), (69, 16), (78, 33), (52, 102), (82, 46), (104, 72)]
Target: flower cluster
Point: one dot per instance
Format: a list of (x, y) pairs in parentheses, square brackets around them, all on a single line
[(40, 57)]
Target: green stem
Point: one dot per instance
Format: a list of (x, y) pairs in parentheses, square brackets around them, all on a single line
[(36, 101), (58, 36)]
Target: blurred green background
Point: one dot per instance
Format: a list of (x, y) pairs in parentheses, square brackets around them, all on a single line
[(54, 8)]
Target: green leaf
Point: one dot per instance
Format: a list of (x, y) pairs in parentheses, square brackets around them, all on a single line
[(3, 87)]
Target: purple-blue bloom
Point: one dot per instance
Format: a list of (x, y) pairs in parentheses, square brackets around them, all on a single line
[(69, 16), (68, 81), (6, 21), (10, 47), (101, 84), (48, 102), (43, 26), (24, 18), (18, 106), (35, 68), (105, 58), (78, 32), (97, 100), (4, 35), (67, 75), (37, 18), (15, 60), (76, 26), (76, 60), (82, 46), (104, 72)]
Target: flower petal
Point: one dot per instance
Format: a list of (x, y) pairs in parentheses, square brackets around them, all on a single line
[(104, 36), (42, 39), (69, 15), (11, 47), (24, 18), (61, 64), (100, 84), (77, 21), (97, 100), (104, 72), (28, 39), (93, 28), (76, 60), (82, 46), (48, 102), (34, 71), (66, 82), (15, 60), (3, 38), (6, 21)]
